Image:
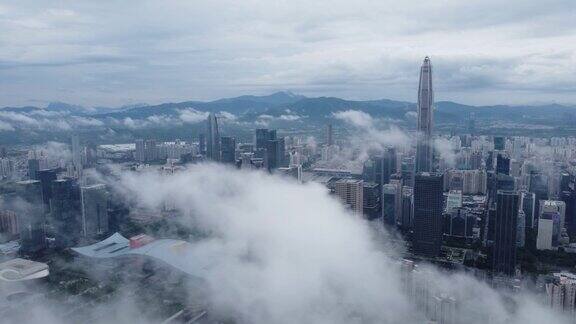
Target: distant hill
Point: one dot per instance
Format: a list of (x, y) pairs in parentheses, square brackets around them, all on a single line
[(249, 107)]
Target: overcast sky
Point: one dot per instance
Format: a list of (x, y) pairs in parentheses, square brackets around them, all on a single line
[(120, 52)]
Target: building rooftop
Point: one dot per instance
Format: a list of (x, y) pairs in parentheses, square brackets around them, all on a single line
[(179, 254), (25, 182), (118, 147), (349, 180), (22, 269)]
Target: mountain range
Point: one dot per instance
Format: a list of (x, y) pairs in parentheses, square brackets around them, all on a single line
[(317, 108)]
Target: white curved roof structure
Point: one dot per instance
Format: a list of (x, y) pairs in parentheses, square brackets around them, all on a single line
[(179, 254), (22, 269)]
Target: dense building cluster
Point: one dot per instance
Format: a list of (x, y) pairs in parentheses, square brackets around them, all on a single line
[(478, 202)]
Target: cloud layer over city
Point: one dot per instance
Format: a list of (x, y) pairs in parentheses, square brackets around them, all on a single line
[(110, 53), (283, 252)]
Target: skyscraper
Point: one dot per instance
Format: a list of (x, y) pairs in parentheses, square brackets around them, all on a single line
[(561, 293), (424, 149), (427, 218), (389, 199), (351, 193), (213, 138), (371, 200), (407, 195), (270, 147), (202, 144), (502, 164), (553, 206), (262, 136), (31, 216), (139, 154), (329, 135), (228, 145), (150, 150), (94, 210), (528, 204), (64, 212), (76, 154), (33, 168), (505, 229), (46, 177), (499, 143)]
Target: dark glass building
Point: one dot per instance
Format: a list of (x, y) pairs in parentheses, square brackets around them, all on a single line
[(502, 164), (33, 168), (569, 198), (427, 218), (65, 212), (46, 177), (371, 200), (504, 251), (489, 162), (228, 146), (31, 220), (94, 202), (389, 198), (539, 186), (499, 143)]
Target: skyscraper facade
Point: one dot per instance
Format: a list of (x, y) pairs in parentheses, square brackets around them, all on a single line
[(212, 139), (427, 218), (46, 177), (262, 136), (94, 210), (228, 146), (33, 168), (31, 216), (351, 193), (65, 211), (139, 154), (202, 144), (371, 200), (389, 199), (329, 135), (424, 148), (502, 164), (76, 153), (505, 229)]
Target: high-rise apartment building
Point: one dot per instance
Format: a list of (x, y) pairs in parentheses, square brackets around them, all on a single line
[(351, 193), (553, 206)]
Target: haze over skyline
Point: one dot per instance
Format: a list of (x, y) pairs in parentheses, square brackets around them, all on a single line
[(111, 53)]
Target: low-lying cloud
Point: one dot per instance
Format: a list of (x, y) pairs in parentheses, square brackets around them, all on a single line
[(369, 135), (277, 251), (289, 253)]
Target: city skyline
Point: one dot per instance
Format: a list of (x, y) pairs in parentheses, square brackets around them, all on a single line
[(109, 55), (294, 206)]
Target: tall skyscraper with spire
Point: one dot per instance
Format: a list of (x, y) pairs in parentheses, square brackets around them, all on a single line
[(424, 146), (212, 139)]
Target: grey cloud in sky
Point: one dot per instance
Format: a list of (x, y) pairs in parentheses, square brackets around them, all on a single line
[(121, 52)]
